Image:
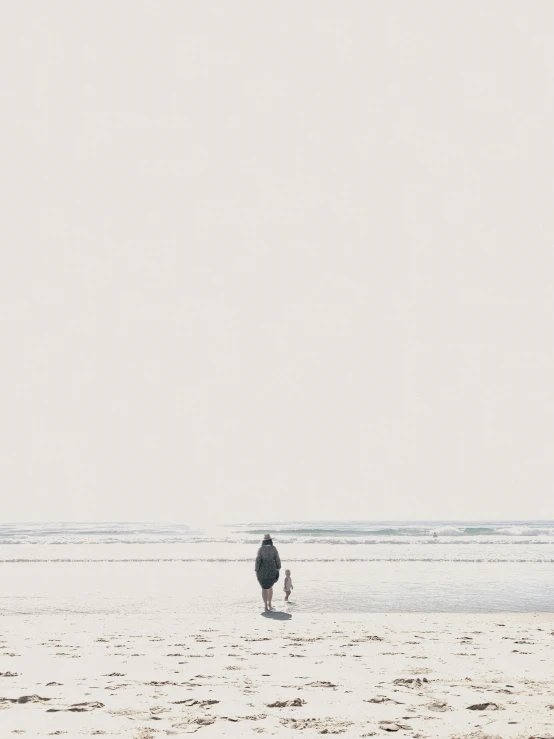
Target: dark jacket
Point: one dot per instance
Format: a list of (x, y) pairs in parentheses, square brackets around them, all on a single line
[(268, 565)]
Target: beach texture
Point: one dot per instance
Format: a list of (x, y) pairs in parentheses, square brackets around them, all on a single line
[(413, 675)]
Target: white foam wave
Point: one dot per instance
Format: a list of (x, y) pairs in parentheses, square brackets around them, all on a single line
[(135, 560)]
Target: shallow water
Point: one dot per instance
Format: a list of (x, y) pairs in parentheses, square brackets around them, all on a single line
[(338, 567)]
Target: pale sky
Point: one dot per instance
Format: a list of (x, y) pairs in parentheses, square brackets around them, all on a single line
[(277, 260)]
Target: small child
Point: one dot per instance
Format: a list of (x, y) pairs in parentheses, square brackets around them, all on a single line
[(288, 584)]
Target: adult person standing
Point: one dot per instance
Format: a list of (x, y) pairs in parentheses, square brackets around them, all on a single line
[(267, 568)]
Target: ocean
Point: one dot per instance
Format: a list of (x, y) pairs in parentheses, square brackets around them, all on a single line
[(340, 566)]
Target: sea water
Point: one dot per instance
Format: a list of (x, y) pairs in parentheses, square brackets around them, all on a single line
[(391, 566)]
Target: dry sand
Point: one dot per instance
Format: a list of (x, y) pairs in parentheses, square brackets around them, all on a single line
[(428, 675)]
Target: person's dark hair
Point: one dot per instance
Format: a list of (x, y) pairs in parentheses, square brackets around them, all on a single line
[(267, 542)]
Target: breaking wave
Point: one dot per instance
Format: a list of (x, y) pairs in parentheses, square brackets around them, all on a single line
[(80, 560), (312, 533)]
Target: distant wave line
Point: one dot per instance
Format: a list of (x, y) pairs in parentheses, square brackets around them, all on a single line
[(348, 541), (289, 559), (414, 531)]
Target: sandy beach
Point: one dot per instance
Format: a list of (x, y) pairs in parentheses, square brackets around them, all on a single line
[(277, 276), (414, 675)]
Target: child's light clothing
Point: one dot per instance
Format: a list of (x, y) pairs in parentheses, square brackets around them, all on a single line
[(288, 584)]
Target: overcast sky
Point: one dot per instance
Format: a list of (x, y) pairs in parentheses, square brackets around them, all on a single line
[(277, 260)]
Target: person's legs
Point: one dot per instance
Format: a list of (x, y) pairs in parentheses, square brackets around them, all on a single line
[(264, 596), (269, 596)]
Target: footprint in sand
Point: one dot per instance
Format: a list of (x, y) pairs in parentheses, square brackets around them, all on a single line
[(393, 726), (484, 707), (410, 682), (78, 707), (287, 704), (322, 726), (25, 699), (199, 721), (438, 706)]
